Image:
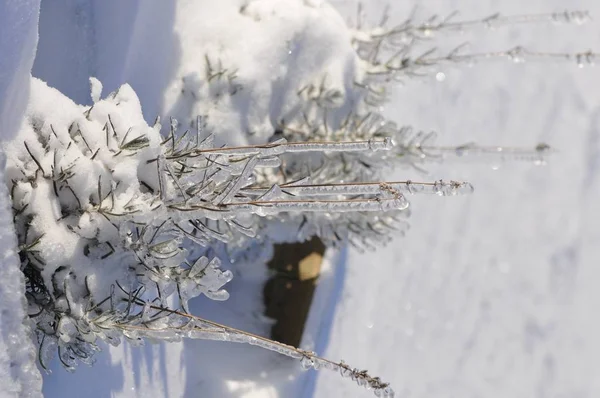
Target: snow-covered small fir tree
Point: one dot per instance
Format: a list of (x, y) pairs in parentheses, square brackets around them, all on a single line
[(116, 219)]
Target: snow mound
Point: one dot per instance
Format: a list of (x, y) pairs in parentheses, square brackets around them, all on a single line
[(233, 71)]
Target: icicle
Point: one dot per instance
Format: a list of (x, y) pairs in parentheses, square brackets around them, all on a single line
[(67, 329), (208, 334), (307, 363), (146, 312), (246, 231), (47, 351), (162, 184), (233, 189), (198, 267), (66, 358), (219, 295), (272, 193), (364, 188), (281, 146), (208, 142), (268, 162), (159, 335), (264, 208)]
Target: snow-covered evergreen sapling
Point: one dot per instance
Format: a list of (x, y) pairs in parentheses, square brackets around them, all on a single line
[(106, 207)]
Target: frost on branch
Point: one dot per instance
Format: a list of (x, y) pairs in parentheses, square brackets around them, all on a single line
[(104, 208)]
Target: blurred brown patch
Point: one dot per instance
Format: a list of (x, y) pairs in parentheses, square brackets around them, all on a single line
[(288, 294)]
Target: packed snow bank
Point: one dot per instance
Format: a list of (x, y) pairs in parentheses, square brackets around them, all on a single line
[(18, 37)]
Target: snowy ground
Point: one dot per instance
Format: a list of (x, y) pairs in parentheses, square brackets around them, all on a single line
[(491, 295)]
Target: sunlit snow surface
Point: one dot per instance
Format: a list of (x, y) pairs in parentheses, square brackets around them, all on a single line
[(492, 295)]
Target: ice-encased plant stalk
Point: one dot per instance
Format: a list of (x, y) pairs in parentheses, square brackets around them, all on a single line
[(164, 324)]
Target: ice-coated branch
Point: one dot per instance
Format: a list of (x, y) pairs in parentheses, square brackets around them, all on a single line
[(536, 155), (516, 54), (440, 187), (418, 148), (282, 146), (411, 148), (410, 30), (388, 54), (177, 325), (106, 208), (402, 64)]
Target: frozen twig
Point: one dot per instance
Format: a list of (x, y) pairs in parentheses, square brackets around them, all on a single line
[(195, 327), (388, 53), (361, 188), (418, 148), (402, 64), (410, 30)]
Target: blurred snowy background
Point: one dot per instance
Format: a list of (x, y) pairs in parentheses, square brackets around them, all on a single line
[(490, 295)]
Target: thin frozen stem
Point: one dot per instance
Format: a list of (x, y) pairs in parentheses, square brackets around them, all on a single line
[(409, 30), (403, 64), (388, 52), (200, 328), (519, 54), (537, 155), (419, 148)]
